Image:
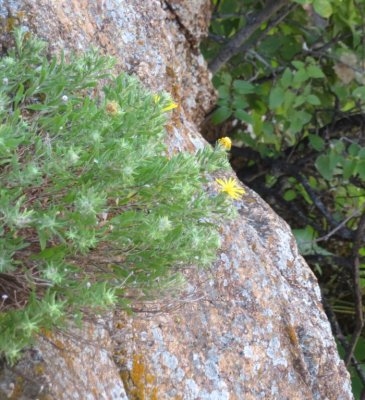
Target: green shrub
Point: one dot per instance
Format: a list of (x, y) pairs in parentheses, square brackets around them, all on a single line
[(91, 205)]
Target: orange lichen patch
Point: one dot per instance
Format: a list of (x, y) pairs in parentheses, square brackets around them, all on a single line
[(59, 344), (47, 333), (44, 397), (69, 360), (170, 72), (154, 394), (138, 369), (292, 335), (169, 128), (138, 382)]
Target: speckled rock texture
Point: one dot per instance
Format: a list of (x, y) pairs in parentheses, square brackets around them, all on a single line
[(250, 327)]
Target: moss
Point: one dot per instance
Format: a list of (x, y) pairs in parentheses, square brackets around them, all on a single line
[(18, 389), (13, 21)]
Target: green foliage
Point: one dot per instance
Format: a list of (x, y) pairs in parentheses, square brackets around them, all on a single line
[(90, 203), (289, 84), (359, 354)]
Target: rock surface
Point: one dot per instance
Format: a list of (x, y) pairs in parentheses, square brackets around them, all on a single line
[(250, 327)]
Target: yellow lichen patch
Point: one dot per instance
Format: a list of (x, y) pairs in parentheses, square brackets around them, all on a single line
[(39, 369), (150, 379)]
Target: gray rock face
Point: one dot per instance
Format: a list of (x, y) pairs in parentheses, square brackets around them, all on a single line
[(250, 327)]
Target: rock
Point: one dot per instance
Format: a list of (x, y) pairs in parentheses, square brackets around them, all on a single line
[(250, 327)]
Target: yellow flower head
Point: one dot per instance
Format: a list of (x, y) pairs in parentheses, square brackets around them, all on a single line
[(170, 106), (230, 187), (112, 107), (226, 142), (156, 98)]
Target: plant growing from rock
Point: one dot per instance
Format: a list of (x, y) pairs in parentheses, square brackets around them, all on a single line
[(91, 205)]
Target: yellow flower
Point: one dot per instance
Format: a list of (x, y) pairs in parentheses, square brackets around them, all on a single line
[(170, 106), (225, 142), (156, 98), (112, 107), (231, 188)]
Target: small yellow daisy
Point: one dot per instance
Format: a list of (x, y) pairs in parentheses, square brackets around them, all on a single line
[(169, 107), (230, 187), (226, 142)]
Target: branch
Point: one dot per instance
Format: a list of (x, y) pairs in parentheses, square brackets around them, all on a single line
[(245, 152), (347, 123), (320, 206), (248, 44), (228, 15), (337, 228), (233, 46), (359, 315), (330, 260)]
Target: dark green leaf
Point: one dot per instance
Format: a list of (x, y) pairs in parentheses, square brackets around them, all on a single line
[(349, 168), (221, 114), (323, 165), (359, 93), (243, 87), (287, 78), (316, 142), (323, 8), (315, 72), (290, 195), (361, 169), (354, 149), (314, 100), (276, 98), (243, 116)]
